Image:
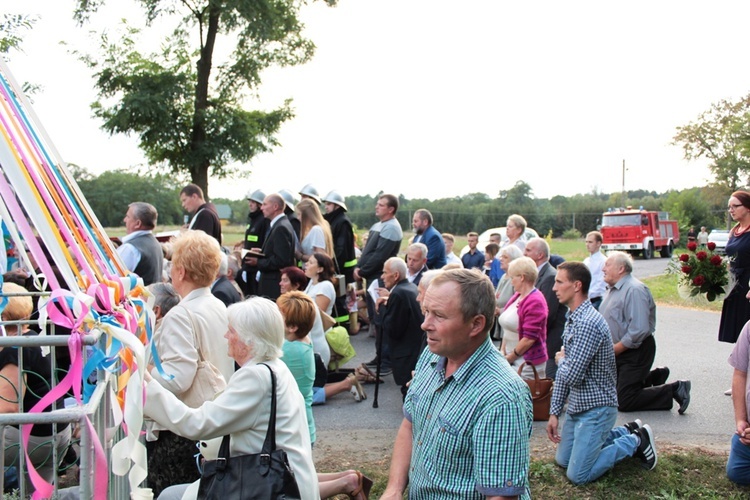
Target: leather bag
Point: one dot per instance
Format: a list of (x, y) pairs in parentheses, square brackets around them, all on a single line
[(265, 475), (208, 380), (541, 393)]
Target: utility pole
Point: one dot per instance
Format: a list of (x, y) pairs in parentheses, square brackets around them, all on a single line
[(623, 182)]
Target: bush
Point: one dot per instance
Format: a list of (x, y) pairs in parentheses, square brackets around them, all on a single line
[(572, 234)]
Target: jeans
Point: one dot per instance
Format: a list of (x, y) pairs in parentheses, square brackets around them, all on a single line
[(738, 466), (590, 446)]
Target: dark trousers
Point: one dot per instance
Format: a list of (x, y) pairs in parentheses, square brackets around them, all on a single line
[(633, 371), (171, 460)]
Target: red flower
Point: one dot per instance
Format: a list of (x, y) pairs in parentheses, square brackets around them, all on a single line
[(686, 269), (684, 257), (711, 245), (701, 255), (699, 280), (716, 260), (692, 246)]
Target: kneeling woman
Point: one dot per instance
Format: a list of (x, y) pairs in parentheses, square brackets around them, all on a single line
[(255, 335), (524, 320)]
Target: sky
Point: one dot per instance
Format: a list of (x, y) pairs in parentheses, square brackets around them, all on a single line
[(436, 98)]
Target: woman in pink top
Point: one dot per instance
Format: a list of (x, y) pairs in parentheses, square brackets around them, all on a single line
[(524, 320)]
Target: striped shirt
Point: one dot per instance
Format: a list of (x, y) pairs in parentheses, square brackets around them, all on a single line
[(470, 431), (587, 375)]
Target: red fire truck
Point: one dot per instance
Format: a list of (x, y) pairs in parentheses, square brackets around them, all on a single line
[(639, 231)]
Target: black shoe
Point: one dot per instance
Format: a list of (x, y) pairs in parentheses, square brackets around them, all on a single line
[(682, 395), (646, 451), (372, 364), (660, 375), (633, 426)]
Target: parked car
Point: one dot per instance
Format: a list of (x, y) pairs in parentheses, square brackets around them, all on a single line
[(720, 237), (484, 238)]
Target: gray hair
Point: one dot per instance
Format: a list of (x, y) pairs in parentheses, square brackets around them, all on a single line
[(234, 264), (424, 214), (622, 259), (223, 265), (476, 293), (145, 212), (259, 324), (418, 246), (428, 276), (397, 265), (541, 245), (512, 252), (165, 296)]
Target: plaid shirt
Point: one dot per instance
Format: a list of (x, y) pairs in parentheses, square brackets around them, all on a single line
[(587, 375), (470, 431)]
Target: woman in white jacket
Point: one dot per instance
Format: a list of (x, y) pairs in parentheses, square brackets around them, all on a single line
[(255, 335)]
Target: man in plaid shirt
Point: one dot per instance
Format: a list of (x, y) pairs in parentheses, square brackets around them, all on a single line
[(587, 377)]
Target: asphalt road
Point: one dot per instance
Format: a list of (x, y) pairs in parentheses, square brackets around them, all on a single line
[(686, 343)]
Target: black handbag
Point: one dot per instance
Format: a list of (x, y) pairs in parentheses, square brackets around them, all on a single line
[(264, 475)]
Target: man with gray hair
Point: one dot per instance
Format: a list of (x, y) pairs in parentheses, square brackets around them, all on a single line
[(630, 311), (426, 233), (538, 250), (416, 262), (485, 418), (402, 320), (140, 252), (222, 288)]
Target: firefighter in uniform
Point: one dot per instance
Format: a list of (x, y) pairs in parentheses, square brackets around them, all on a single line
[(255, 235), (343, 245)]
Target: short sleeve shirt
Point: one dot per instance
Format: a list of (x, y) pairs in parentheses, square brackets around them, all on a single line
[(740, 359), (470, 431)]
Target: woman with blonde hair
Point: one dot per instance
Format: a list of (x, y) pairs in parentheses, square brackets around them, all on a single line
[(197, 322), (315, 233), (524, 320), (515, 226)]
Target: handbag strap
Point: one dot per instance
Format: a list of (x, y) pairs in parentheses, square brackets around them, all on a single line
[(269, 445)]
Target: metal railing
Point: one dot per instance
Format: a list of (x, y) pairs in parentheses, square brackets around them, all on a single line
[(97, 410)]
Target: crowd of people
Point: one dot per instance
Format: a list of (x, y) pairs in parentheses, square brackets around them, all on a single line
[(461, 335)]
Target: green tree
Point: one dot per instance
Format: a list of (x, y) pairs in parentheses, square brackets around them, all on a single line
[(721, 135), (11, 26), (110, 193), (188, 115)]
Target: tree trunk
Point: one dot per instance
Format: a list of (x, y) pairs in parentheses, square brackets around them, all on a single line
[(199, 166)]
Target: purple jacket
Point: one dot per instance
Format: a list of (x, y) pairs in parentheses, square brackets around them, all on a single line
[(532, 323)]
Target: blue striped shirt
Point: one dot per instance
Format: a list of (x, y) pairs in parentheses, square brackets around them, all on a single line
[(470, 431), (587, 375)]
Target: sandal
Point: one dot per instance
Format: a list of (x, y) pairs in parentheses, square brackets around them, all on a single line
[(365, 375), (357, 388), (362, 491)]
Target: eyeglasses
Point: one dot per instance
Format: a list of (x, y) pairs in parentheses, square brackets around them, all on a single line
[(731, 207)]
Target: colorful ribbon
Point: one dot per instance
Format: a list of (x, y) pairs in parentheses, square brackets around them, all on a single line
[(38, 196)]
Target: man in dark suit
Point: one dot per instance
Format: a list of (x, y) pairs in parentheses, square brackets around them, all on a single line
[(223, 289), (402, 321), (416, 262), (538, 250), (278, 249)]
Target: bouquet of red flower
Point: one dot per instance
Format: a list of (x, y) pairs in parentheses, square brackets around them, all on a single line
[(703, 272)]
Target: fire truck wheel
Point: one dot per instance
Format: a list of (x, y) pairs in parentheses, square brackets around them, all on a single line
[(666, 250), (649, 251)]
